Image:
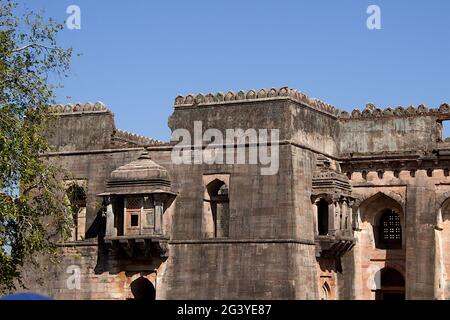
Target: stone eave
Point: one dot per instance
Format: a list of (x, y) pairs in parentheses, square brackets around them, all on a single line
[(144, 192)]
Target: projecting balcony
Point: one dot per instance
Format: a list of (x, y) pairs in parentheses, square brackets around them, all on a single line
[(136, 198), (333, 246)]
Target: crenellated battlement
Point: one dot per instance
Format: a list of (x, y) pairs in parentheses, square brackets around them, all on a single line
[(78, 108), (371, 111), (128, 137), (254, 95)]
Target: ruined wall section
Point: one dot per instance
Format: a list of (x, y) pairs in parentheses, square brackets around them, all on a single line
[(83, 271), (314, 129), (81, 127), (391, 130)]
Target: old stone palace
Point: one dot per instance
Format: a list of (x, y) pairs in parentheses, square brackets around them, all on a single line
[(359, 207)]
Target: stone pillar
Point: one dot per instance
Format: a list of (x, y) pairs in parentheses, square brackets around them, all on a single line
[(159, 210), (344, 214), (420, 236), (356, 220), (111, 231), (359, 283), (315, 216), (332, 219), (440, 277), (350, 214)]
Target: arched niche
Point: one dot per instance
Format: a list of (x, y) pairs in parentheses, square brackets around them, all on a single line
[(374, 210), (216, 208), (76, 195)]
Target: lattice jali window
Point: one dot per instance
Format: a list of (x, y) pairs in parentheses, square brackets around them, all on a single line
[(390, 230), (134, 203), (133, 209)]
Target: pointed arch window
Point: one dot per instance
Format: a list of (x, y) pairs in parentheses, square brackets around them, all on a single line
[(325, 292)]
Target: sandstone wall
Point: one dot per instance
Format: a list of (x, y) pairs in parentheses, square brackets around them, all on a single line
[(100, 277), (389, 134), (90, 130), (270, 252)]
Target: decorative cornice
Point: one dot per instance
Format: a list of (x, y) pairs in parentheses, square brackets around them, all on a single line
[(78, 108), (254, 95), (371, 112)]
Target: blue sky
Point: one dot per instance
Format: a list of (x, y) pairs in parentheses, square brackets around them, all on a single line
[(137, 56)]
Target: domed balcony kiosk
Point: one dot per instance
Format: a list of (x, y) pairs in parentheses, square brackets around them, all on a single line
[(137, 196)]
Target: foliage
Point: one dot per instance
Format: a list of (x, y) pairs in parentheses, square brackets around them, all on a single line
[(32, 207)]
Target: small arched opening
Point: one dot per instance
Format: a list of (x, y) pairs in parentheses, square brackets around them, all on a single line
[(77, 198), (217, 210), (143, 289), (391, 285), (325, 291)]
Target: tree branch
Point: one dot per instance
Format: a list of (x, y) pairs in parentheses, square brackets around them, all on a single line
[(34, 45)]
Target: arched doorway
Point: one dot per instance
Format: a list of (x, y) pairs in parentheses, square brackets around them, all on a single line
[(143, 289), (391, 285)]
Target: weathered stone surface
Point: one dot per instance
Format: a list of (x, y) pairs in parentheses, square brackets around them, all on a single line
[(361, 164)]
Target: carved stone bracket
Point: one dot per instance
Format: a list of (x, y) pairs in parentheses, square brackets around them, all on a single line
[(333, 247), (138, 247)]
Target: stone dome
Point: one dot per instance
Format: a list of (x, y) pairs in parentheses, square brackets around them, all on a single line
[(141, 176), (144, 168)]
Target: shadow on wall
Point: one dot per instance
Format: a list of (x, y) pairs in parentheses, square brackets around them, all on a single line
[(98, 227)]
